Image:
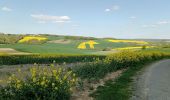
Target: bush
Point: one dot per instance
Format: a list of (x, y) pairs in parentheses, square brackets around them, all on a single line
[(40, 84)]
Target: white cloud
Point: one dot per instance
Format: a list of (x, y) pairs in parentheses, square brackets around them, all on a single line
[(157, 24), (6, 9), (132, 17), (107, 10), (163, 22), (49, 18), (113, 8)]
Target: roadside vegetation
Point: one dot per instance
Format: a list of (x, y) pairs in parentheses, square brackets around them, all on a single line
[(92, 70)]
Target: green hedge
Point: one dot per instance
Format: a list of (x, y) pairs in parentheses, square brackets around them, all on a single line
[(43, 59)]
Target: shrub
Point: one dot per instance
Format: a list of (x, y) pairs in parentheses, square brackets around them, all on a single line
[(40, 84), (113, 62)]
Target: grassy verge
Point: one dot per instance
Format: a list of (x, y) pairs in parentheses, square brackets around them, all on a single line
[(119, 89)]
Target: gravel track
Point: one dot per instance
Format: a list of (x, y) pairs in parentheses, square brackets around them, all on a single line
[(153, 82)]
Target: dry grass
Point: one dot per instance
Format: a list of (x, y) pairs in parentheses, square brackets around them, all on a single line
[(91, 87)]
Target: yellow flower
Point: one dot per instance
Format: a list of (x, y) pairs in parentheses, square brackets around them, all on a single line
[(129, 41)]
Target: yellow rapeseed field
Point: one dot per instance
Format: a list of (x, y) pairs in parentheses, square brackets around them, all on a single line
[(129, 41), (90, 43), (28, 38)]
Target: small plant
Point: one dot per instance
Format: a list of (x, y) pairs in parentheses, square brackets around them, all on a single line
[(40, 84)]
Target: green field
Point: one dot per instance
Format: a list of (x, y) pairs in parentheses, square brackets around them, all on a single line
[(104, 47)]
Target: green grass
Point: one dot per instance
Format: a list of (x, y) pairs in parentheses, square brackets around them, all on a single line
[(119, 89), (70, 48), (165, 50)]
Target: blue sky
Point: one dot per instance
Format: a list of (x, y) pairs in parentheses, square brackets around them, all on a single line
[(98, 18)]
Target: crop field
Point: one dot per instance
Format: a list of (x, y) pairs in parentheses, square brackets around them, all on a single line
[(51, 67), (46, 44)]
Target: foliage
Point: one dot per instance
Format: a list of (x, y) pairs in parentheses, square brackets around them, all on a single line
[(90, 70), (133, 61), (124, 59), (9, 39), (40, 84), (45, 59)]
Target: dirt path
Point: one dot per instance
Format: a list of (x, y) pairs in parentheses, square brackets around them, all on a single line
[(153, 83)]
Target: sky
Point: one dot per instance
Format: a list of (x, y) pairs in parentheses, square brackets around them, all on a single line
[(148, 19)]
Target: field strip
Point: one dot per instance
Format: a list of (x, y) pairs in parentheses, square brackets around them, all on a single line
[(11, 51)]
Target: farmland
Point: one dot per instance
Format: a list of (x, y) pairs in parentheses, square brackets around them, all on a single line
[(71, 67), (69, 45)]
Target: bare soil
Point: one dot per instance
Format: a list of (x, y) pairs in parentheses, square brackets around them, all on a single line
[(11, 51), (61, 41)]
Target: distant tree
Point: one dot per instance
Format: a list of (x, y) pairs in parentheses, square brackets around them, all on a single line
[(143, 47)]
